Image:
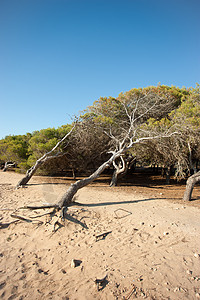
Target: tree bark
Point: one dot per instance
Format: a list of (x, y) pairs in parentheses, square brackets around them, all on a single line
[(29, 174), (168, 174), (120, 167), (67, 198), (114, 178), (73, 173), (192, 180)]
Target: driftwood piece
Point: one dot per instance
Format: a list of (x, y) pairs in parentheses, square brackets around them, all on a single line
[(102, 236), (133, 290)]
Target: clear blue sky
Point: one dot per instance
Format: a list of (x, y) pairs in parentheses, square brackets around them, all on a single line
[(58, 56)]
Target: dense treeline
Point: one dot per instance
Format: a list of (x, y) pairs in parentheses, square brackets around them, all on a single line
[(103, 126)]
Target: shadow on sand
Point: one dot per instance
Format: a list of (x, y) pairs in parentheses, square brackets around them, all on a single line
[(117, 202)]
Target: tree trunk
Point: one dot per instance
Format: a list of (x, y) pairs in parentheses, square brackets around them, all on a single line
[(67, 198), (73, 173), (7, 165), (163, 172), (168, 173), (114, 178), (120, 167), (29, 174), (192, 180)]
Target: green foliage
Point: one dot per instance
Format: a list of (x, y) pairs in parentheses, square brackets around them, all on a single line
[(188, 113), (155, 110), (14, 148), (26, 149)]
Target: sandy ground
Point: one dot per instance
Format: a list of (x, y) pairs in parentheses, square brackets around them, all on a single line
[(150, 247)]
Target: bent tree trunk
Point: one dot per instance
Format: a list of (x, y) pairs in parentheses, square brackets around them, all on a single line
[(46, 157), (67, 198), (192, 180), (120, 167), (29, 173), (114, 178), (7, 165)]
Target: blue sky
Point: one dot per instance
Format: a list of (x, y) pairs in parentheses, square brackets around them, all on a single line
[(59, 56)]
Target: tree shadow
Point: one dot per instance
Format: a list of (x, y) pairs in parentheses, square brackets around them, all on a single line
[(45, 183), (117, 202), (194, 199), (74, 220)]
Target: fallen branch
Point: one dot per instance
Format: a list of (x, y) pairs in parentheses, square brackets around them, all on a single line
[(133, 290)]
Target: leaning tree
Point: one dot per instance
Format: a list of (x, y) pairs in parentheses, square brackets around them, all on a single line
[(188, 118), (123, 120), (55, 152)]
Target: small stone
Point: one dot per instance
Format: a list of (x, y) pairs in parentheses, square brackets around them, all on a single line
[(189, 272), (196, 255), (197, 295), (142, 223), (73, 264), (182, 290), (165, 233), (140, 278), (40, 271)]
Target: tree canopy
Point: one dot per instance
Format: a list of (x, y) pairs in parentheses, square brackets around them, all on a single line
[(111, 123)]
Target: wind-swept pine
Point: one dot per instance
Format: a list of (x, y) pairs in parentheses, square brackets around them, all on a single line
[(123, 121)]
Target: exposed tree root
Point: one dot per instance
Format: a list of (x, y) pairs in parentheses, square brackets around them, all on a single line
[(6, 225), (40, 207), (26, 219), (58, 212)]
